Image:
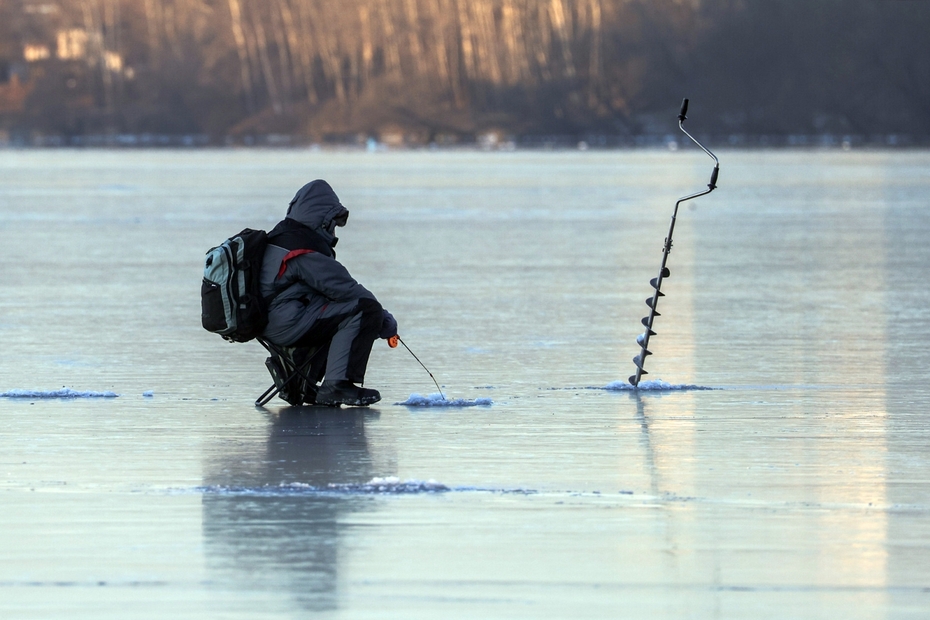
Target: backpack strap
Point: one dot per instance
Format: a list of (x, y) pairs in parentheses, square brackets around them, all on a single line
[(289, 256), (281, 270)]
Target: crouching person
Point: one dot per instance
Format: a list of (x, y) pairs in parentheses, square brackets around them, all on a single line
[(315, 303)]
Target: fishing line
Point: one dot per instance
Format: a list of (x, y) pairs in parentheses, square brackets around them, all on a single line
[(421, 363)]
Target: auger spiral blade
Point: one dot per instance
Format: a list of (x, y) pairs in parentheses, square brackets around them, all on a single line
[(634, 380)]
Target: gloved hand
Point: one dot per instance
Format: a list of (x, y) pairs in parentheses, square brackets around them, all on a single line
[(388, 325)]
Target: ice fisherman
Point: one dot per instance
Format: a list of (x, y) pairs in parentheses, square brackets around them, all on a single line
[(314, 300)]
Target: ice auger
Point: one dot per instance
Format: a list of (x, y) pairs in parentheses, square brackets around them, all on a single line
[(656, 283)]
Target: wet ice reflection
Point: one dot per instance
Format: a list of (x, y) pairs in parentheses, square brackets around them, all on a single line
[(780, 486), (257, 538)]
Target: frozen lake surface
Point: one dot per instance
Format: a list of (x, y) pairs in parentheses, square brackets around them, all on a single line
[(798, 487)]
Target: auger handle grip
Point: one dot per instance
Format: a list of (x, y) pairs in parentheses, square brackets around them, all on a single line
[(713, 178), (684, 110), (393, 340)]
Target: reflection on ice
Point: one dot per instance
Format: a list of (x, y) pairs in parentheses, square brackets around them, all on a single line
[(265, 524), (437, 400)]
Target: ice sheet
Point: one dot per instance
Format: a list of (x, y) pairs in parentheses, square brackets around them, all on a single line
[(808, 494)]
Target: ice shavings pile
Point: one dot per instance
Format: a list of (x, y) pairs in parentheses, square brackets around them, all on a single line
[(437, 400), (376, 486), (62, 393), (388, 485), (656, 385), (391, 484)]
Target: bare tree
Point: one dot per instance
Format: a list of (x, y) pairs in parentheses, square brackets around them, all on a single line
[(553, 65)]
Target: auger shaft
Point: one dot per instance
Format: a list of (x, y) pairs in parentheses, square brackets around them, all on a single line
[(656, 283)]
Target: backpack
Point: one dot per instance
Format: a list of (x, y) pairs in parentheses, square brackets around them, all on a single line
[(230, 297)]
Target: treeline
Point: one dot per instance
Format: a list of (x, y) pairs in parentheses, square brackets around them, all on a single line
[(448, 69)]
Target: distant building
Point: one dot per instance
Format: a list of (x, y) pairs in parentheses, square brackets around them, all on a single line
[(36, 52), (72, 44), (78, 44)]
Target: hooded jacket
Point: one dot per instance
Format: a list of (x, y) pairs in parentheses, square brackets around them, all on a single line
[(300, 273)]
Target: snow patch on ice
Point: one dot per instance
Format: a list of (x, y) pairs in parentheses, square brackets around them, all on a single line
[(437, 400), (655, 385), (62, 393), (389, 485)]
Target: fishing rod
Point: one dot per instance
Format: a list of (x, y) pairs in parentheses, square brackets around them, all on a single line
[(656, 283), (392, 342)]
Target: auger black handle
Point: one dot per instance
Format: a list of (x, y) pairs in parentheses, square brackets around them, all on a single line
[(713, 178), (684, 110)]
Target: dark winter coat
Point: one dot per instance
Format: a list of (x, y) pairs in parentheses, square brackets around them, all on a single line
[(300, 270)]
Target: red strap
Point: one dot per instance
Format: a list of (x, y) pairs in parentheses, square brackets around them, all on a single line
[(289, 256)]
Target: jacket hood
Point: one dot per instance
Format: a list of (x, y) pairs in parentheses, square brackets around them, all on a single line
[(316, 206)]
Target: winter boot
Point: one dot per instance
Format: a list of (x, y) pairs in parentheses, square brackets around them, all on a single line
[(335, 393)]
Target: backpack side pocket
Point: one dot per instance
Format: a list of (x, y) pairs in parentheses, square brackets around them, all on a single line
[(213, 314)]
